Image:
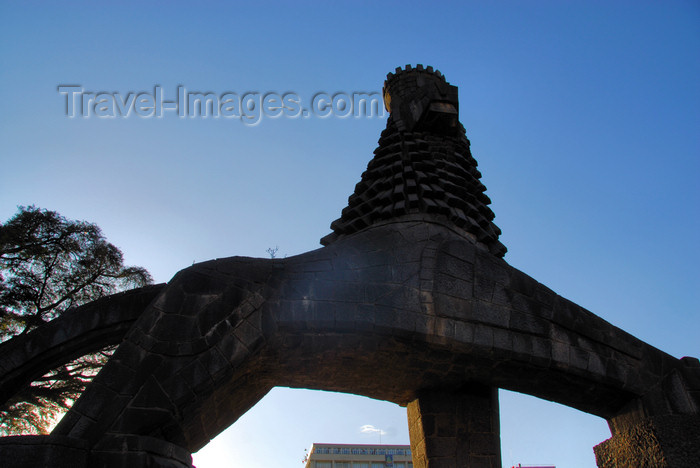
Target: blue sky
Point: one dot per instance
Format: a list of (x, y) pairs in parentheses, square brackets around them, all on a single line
[(584, 117)]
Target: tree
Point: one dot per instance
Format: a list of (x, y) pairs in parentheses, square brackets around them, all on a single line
[(49, 264)]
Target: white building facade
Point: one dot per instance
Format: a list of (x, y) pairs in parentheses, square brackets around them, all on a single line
[(359, 456)]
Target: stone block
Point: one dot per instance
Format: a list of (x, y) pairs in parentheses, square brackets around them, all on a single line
[(196, 377), (404, 272), (522, 346), (44, 451), (483, 336), (118, 375), (455, 267), (560, 354), (596, 365), (522, 283), (526, 304), (385, 317), (142, 420), (453, 307), (374, 291), (489, 267), (463, 251), (530, 324), (464, 332), (579, 358), (404, 298), (444, 328), (455, 287), (478, 461), (215, 363), (248, 335), (179, 392), (440, 446), (317, 265), (490, 314), (139, 452), (502, 339)]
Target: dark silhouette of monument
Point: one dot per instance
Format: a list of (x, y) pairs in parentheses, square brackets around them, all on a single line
[(408, 301)]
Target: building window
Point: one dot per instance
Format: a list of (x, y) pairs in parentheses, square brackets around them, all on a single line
[(323, 464), (360, 465)]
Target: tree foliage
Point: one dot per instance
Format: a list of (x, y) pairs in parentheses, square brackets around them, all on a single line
[(49, 264)]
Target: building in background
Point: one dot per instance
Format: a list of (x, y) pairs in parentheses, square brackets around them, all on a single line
[(359, 456), (532, 466)]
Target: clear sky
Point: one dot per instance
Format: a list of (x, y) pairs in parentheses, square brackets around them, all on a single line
[(584, 117)]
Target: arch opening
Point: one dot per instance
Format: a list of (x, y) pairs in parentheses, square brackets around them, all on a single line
[(281, 426), (278, 429), (540, 432)]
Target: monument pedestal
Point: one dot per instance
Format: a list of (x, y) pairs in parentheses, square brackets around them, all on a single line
[(659, 442), (455, 429)]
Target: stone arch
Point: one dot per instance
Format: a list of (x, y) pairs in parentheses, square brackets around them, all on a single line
[(410, 286), (83, 330), (436, 314)]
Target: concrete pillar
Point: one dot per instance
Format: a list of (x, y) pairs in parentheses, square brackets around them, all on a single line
[(455, 428)]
